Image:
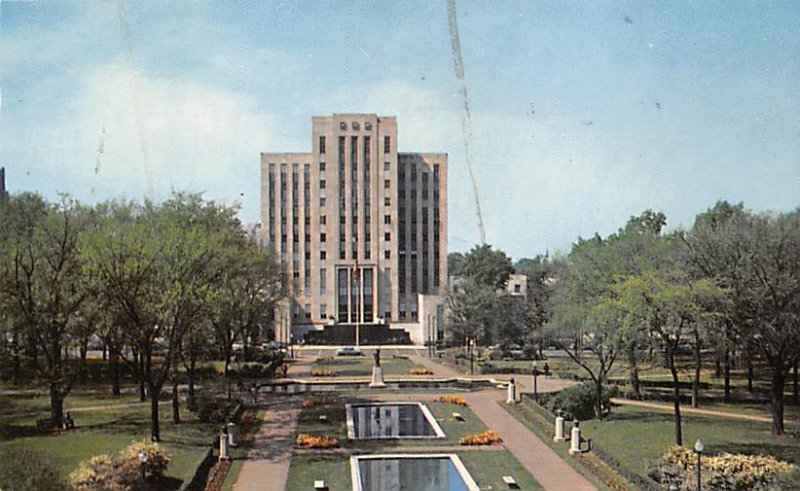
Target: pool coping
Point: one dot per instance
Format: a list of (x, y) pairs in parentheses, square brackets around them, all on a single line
[(355, 475), (351, 431)]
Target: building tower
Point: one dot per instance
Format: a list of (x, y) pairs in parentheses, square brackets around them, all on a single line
[(359, 228)]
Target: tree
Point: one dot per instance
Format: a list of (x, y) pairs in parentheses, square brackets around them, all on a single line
[(42, 284), (487, 267), (157, 269)]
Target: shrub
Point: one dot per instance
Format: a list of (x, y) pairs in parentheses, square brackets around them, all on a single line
[(157, 458), (317, 401), (121, 471), (453, 400), (486, 438), (318, 372), (212, 410), (724, 471), (310, 441), (578, 401), (420, 371), (24, 468)]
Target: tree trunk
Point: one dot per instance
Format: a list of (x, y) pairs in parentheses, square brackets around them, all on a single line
[(727, 375), (142, 392), (778, 384), (84, 347), (56, 406), (750, 371), (176, 411), (227, 369), (717, 367), (676, 398), (155, 428), (113, 365), (634, 371), (16, 357), (105, 349), (192, 368), (795, 388), (246, 346), (598, 408), (697, 363)]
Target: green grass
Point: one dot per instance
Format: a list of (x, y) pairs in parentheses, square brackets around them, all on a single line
[(109, 431), (357, 366), (635, 435), (487, 468), (21, 404)]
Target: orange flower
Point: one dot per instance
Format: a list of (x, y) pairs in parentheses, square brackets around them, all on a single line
[(488, 437)]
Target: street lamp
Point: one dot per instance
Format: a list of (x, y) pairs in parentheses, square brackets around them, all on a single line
[(698, 449), (535, 381), (143, 462)]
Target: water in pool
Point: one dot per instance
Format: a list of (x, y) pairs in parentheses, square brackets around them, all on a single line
[(391, 421), (413, 474)]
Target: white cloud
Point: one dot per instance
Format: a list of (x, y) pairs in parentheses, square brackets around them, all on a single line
[(187, 135)]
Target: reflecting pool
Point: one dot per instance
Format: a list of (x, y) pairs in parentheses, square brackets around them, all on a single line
[(434, 472), (391, 420)]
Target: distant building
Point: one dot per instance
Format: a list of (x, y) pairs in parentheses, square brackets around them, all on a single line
[(3, 192), (359, 228)]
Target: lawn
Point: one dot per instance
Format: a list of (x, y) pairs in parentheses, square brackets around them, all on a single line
[(633, 436), (358, 366), (486, 467), (108, 431)]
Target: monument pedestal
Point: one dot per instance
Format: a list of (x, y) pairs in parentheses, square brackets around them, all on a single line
[(377, 378)]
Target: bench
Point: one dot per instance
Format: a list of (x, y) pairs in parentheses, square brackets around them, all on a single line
[(320, 486), (511, 482), (323, 418), (458, 417)]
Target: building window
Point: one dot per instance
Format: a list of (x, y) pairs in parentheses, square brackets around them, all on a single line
[(368, 126), (387, 219), (387, 144), (387, 201), (323, 219), (322, 183), (387, 166), (322, 237), (387, 236), (322, 280), (323, 311), (322, 201), (387, 254), (342, 125), (322, 166), (387, 183), (322, 145), (323, 255)]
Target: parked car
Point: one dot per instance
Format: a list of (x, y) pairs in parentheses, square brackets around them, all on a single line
[(349, 351)]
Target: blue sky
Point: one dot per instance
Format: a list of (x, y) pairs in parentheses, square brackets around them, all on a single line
[(584, 113)]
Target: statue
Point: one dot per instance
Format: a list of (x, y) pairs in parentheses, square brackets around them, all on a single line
[(377, 356)]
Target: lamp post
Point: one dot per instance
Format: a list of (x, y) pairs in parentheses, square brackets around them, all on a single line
[(698, 449), (143, 463), (535, 381)]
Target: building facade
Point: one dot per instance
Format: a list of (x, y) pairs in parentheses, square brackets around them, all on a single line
[(360, 229)]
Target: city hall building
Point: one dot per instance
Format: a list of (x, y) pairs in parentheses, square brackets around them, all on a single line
[(360, 230)]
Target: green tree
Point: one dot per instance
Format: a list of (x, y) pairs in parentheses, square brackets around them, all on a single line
[(487, 267), (42, 284)]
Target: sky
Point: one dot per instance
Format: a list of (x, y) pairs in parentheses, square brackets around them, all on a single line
[(582, 113)]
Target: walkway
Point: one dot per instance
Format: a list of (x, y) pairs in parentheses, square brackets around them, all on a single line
[(267, 464), (545, 466), (692, 410)]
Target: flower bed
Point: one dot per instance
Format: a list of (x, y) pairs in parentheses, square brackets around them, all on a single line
[(488, 437), (420, 371), (453, 400), (322, 373), (310, 441)]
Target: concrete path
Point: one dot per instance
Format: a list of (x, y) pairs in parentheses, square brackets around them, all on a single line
[(545, 466), (692, 410), (267, 464)]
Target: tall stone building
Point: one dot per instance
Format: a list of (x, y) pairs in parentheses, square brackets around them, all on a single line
[(3, 192), (359, 228)]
